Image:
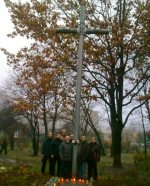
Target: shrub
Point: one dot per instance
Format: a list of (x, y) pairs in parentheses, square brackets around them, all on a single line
[(142, 161)]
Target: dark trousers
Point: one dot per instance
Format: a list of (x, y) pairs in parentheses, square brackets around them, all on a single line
[(51, 165), (5, 150), (92, 170), (81, 170), (57, 162), (66, 167)]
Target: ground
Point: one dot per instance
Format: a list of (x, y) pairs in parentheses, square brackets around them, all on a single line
[(24, 170)]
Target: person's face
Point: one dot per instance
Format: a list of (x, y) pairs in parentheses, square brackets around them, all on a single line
[(58, 136), (71, 136), (83, 138), (50, 135), (93, 140), (67, 139), (63, 131)]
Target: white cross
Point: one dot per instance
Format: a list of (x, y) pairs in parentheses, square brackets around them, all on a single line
[(81, 30)]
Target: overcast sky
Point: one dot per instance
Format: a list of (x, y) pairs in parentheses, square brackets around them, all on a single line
[(12, 45)]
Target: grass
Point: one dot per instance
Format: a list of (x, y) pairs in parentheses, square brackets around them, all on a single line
[(129, 175), (23, 156)]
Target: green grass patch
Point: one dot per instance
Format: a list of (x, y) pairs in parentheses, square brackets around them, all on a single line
[(26, 170)]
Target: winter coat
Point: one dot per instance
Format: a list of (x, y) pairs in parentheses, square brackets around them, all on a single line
[(94, 152), (65, 151), (4, 144), (82, 151), (1, 148), (47, 147), (55, 146)]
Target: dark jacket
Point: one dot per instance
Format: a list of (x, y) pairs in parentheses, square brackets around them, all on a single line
[(47, 147), (55, 146), (4, 144), (94, 152), (65, 151), (82, 151), (1, 148)]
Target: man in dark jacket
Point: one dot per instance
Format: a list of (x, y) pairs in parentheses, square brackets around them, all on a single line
[(1, 148), (65, 152), (82, 157), (55, 146), (47, 154), (4, 146), (92, 159)]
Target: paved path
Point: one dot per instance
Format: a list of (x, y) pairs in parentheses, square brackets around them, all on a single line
[(8, 160)]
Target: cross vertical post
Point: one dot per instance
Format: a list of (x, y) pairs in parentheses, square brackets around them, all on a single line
[(81, 30)]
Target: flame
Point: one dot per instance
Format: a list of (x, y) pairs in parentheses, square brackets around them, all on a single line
[(73, 179), (82, 181)]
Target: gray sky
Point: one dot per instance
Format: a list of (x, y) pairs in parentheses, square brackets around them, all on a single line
[(12, 45)]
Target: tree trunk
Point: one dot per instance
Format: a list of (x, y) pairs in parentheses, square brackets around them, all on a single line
[(35, 145), (55, 115), (116, 147), (12, 144), (45, 117), (35, 142), (144, 133)]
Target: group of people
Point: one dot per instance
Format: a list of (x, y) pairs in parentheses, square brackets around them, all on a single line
[(3, 146), (59, 152)]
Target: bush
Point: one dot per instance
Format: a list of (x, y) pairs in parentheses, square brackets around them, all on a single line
[(142, 161)]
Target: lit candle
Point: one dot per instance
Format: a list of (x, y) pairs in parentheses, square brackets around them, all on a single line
[(82, 181)]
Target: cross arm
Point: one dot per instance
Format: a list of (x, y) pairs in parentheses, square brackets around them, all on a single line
[(96, 31), (76, 30), (67, 30)]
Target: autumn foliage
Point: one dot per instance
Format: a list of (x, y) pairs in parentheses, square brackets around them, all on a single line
[(112, 63)]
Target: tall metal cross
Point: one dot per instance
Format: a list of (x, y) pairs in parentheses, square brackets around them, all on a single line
[(81, 30)]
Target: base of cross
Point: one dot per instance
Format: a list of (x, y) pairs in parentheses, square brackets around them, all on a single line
[(56, 181)]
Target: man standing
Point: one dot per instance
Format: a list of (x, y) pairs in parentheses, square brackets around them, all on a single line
[(65, 152), (94, 154), (47, 154), (56, 145), (82, 157), (1, 148), (4, 146)]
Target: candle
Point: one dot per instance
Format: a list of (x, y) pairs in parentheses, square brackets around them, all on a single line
[(73, 179), (82, 181)]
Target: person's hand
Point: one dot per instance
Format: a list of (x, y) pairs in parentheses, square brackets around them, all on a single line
[(75, 141)]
